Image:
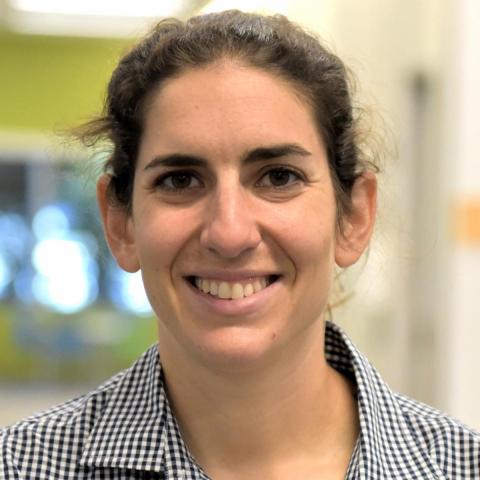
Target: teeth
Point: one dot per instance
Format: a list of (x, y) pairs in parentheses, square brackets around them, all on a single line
[(224, 290), (237, 291), (248, 289), (213, 288), (205, 286), (231, 291)]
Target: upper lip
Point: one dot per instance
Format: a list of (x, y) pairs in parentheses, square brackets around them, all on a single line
[(231, 275)]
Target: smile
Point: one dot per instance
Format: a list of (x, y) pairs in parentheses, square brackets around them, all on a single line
[(232, 290)]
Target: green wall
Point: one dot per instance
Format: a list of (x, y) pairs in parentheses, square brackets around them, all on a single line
[(49, 83)]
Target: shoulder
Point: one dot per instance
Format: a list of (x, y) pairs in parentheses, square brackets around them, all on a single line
[(454, 447), (401, 437), (58, 432)]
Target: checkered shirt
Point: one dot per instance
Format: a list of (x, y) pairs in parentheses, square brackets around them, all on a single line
[(125, 429)]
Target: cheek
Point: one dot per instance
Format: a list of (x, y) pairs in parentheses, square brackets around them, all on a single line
[(314, 238), (161, 236), (314, 259), (314, 265), (308, 239), (305, 231)]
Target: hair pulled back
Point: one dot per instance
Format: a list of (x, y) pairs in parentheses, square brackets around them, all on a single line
[(271, 43)]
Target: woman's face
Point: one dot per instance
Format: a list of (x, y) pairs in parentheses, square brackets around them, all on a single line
[(232, 195)]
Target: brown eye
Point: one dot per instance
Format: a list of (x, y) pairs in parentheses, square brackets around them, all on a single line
[(279, 177), (181, 180), (177, 181)]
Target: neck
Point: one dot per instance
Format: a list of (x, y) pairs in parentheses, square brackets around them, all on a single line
[(283, 412)]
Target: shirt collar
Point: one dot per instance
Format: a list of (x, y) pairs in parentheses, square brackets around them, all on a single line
[(137, 417), (387, 445)]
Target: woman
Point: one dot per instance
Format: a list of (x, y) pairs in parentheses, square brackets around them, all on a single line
[(235, 185)]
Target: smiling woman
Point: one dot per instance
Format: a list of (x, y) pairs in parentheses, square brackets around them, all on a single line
[(227, 226), (235, 185)]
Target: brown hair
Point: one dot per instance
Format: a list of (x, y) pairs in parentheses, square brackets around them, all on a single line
[(271, 43)]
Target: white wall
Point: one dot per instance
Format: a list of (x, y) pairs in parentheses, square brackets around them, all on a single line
[(461, 386)]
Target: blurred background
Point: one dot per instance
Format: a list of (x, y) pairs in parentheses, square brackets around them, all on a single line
[(69, 317)]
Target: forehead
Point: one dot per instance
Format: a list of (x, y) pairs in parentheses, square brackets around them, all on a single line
[(227, 104)]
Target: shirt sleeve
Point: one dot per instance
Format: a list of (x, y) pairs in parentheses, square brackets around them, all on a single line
[(8, 468)]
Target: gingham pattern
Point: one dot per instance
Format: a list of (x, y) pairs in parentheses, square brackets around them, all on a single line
[(126, 430)]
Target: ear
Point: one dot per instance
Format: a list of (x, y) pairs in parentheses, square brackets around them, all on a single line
[(118, 227), (357, 226)]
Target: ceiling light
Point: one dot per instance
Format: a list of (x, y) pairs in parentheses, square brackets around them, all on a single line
[(111, 8)]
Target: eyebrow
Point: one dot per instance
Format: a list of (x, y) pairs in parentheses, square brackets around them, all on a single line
[(256, 155)]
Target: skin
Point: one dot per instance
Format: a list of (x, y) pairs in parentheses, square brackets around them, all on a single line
[(248, 381)]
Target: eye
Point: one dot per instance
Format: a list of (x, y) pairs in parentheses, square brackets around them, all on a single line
[(176, 181), (279, 177)]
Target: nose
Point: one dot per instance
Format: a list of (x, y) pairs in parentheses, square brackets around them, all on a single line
[(230, 228)]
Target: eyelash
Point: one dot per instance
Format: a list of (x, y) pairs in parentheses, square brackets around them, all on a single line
[(290, 171), (161, 181)]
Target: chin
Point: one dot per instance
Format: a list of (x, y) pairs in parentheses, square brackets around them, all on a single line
[(237, 348)]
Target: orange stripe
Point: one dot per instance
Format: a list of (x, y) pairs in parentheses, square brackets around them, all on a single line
[(467, 222)]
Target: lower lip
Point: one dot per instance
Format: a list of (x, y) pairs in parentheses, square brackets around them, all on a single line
[(237, 307)]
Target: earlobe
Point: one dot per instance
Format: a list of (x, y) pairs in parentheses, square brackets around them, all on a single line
[(358, 225), (118, 228)]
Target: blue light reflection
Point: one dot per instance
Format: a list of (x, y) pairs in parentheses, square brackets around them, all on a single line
[(66, 273), (126, 291), (52, 221), (5, 274)]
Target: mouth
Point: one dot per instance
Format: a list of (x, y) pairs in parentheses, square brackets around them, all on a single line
[(227, 290)]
